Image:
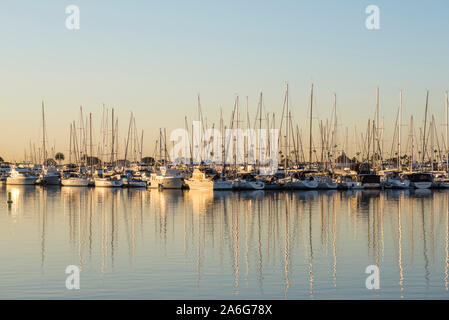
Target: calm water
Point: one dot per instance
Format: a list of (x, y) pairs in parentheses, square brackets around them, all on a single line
[(140, 244)]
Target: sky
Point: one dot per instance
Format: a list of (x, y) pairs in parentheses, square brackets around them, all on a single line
[(154, 57)]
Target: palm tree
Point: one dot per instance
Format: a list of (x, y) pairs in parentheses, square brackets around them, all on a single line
[(59, 157)]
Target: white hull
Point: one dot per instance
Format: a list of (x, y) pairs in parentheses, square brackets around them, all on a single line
[(222, 185), (397, 184), (75, 182), (249, 185), (166, 183), (21, 180), (108, 183), (302, 184), (209, 184)]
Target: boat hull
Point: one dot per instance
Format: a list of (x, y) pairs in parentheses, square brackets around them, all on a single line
[(108, 183), (21, 180), (75, 182), (372, 185), (327, 185), (51, 180), (167, 183), (421, 185), (302, 185), (209, 185), (136, 184), (248, 185), (397, 184)]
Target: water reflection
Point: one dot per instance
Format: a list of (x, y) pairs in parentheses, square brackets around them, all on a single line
[(244, 245)]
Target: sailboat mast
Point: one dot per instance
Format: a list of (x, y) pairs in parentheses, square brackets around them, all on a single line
[(287, 131), (412, 142), (70, 146), (447, 133), (399, 130), (160, 146), (141, 147), (376, 132), (424, 133), (91, 146), (127, 140), (310, 126), (43, 135), (112, 137)]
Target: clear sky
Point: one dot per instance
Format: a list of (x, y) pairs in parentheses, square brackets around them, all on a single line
[(154, 57)]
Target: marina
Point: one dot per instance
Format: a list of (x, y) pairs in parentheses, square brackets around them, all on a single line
[(244, 157)]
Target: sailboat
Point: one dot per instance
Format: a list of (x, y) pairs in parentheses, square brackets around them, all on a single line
[(246, 181), (108, 181), (421, 180), (394, 181), (167, 178), (49, 175), (74, 180), (301, 181), (207, 179), (20, 177)]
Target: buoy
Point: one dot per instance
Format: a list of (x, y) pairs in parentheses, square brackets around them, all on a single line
[(9, 198)]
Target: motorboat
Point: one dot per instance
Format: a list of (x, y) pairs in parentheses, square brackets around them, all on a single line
[(108, 180), (207, 179), (21, 176), (74, 180), (167, 178)]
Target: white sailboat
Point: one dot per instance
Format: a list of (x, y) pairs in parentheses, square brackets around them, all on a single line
[(74, 180), (326, 182), (204, 180), (350, 182), (21, 177), (108, 181), (168, 178), (299, 181)]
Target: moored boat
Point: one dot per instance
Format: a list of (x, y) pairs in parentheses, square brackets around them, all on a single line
[(21, 177), (168, 178), (74, 180), (207, 179), (420, 180)]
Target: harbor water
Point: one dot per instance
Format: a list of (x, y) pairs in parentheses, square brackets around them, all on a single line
[(174, 244)]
